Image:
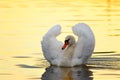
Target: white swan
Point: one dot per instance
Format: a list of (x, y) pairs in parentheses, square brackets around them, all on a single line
[(71, 53)]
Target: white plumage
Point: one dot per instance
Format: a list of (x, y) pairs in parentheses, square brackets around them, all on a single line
[(76, 53)]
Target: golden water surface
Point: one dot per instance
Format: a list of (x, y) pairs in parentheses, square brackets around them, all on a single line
[(24, 22)]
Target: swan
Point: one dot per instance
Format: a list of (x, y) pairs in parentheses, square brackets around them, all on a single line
[(70, 53)]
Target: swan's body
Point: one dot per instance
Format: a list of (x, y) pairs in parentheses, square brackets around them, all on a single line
[(76, 53)]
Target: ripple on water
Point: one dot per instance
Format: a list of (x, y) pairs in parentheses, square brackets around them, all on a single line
[(21, 57), (27, 66), (34, 78), (114, 35), (111, 60), (5, 74)]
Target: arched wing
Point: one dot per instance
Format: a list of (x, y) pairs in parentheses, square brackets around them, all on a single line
[(85, 44), (50, 45)]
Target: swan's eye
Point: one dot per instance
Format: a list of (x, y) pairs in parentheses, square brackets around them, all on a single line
[(67, 41)]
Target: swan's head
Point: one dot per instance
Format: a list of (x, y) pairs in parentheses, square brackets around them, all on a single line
[(69, 41)]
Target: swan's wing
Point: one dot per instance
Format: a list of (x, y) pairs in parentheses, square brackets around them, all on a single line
[(85, 44), (50, 45)]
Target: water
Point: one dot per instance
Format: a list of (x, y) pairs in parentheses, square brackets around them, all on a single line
[(23, 23)]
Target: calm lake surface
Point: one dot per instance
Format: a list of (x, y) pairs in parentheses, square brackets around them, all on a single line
[(24, 22)]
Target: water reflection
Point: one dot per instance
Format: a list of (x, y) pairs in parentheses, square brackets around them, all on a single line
[(75, 73)]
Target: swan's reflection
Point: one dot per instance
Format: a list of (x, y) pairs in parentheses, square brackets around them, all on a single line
[(76, 73)]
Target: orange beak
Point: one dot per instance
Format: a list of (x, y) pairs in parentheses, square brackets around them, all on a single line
[(64, 46)]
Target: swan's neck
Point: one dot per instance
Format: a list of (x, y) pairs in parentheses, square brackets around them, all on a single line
[(69, 51)]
